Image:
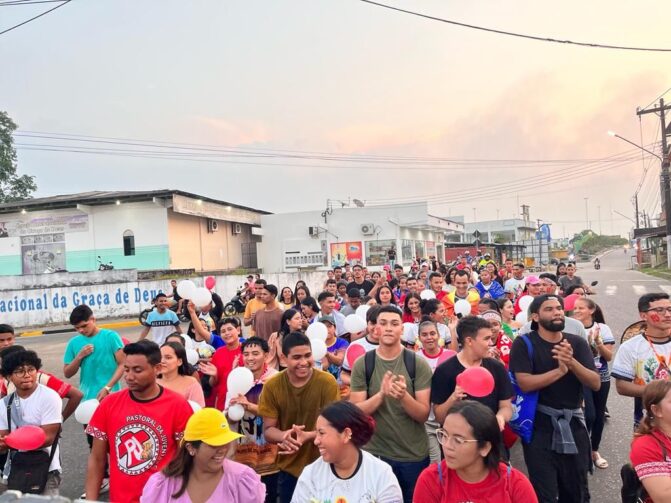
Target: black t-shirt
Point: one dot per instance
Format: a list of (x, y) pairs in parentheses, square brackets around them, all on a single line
[(445, 379), (175, 295), (564, 393), (364, 287)]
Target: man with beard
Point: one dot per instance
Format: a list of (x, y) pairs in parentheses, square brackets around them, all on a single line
[(557, 366)]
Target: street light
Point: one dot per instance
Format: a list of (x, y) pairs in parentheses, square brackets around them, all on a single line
[(615, 135)]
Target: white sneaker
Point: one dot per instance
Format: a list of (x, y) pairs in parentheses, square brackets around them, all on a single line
[(104, 488)]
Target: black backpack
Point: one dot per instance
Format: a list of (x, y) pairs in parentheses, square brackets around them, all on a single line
[(408, 360), (632, 489)]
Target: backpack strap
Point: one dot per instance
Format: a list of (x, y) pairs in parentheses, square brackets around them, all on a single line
[(10, 399), (411, 366), (369, 364), (530, 349)]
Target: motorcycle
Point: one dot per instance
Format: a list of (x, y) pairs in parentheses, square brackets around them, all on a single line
[(597, 265), (236, 305), (102, 266)]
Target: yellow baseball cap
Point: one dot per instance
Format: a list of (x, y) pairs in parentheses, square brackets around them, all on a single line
[(210, 426)]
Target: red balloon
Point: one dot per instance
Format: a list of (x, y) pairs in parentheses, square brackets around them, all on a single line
[(26, 438), (569, 301), (125, 341), (476, 381), (446, 355), (354, 352), (210, 282)]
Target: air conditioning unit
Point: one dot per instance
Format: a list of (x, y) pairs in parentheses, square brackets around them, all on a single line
[(313, 231), (368, 229), (236, 228), (212, 225)]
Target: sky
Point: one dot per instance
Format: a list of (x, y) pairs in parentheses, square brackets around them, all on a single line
[(347, 78)]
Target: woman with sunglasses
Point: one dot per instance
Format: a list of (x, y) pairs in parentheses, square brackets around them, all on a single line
[(472, 469)]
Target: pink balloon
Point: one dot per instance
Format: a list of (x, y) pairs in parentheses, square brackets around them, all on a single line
[(569, 301), (446, 355), (354, 352), (210, 282), (26, 438), (476, 381), (125, 341)]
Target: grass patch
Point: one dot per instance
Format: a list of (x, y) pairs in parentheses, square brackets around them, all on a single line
[(658, 272)]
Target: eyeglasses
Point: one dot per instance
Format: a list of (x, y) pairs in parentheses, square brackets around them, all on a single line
[(444, 438), (24, 371), (660, 310)]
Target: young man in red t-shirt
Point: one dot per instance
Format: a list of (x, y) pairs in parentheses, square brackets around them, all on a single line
[(140, 427)]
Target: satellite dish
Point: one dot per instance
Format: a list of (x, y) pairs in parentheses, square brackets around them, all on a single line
[(358, 203)]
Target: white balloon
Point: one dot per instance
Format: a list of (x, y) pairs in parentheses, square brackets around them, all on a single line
[(84, 412), (317, 330), (236, 412), (427, 294), (524, 302), (355, 324), (202, 297), (522, 317), (462, 307), (192, 356), (362, 310), (318, 349), (194, 406), (186, 288), (240, 381)]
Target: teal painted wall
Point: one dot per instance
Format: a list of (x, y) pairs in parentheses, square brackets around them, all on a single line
[(146, 257), (10, 265)]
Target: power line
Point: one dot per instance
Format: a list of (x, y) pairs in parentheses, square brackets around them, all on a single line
[(513, 34), (294, 154), (18, 3), (657, 98), (35, 17)]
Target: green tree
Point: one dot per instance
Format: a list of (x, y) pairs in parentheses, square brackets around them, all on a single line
[(12, 186)]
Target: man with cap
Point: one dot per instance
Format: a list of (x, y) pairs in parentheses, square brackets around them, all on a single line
[(557, 365), (335, 348)]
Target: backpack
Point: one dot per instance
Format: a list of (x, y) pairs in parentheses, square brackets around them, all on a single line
[(524, 404), (408, 360), (632, 489)]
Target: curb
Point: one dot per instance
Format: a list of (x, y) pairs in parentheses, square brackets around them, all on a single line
[(63, 330)]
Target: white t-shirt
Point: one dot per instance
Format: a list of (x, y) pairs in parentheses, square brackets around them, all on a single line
[(514, 285), (42, 407), (372, 482), (411, 332), (367, 346)]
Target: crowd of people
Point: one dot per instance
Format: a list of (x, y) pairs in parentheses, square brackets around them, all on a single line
[(383, 416)]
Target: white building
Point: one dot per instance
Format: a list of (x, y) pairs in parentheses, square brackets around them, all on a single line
[(323, 239), (152, 230)]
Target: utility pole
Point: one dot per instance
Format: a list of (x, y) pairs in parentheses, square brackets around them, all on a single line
[(666, 188), (636, 205)]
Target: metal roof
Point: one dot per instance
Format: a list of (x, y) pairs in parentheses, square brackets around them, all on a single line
[(99, 197)]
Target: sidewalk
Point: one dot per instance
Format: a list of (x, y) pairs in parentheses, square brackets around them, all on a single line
[(61, 329)]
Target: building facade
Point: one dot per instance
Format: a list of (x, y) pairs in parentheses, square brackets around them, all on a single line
[(153, 230), (370, 236)]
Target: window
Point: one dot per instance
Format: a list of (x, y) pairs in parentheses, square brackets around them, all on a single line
[(128, 243)]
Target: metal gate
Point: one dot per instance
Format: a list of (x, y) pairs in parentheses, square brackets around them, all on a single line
[(249, 256)]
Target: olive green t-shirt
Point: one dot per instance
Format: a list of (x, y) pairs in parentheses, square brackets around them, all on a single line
[(397, 436), (290, 405)]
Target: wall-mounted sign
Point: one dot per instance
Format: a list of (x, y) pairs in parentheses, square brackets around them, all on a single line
[(207, 209), (52, 224), (350, 252)]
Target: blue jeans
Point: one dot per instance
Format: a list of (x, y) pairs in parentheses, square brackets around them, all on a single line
[(286, 484), (407, 473)]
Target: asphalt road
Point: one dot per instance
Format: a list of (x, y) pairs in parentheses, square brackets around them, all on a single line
[(617, 294)]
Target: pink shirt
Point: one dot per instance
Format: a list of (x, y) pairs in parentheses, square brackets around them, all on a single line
[(239, 484)]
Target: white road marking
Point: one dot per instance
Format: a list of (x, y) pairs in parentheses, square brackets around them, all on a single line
[(639, 289), (611, 290)]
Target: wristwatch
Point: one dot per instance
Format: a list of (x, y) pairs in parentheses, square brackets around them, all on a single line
[(108, 388)]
